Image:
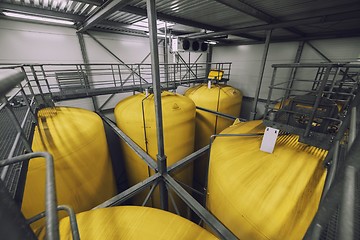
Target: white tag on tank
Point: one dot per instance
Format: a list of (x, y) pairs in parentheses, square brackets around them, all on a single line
[(269, 140)]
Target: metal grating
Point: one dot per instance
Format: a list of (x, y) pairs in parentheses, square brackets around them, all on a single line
[(331, 229), (67, 6), (8, 134)]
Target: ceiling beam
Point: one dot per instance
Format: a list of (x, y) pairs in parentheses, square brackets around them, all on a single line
[(169, 18), (291, 23), (247, 9), (325, 11), (327, 35), (105, 10), (92, 2), (256, 13)]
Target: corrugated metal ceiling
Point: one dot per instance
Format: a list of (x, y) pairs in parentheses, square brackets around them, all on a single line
[(214, 15), (282, 8)]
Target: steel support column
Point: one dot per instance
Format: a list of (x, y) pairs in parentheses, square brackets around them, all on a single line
[(166, 54), (161, 158), (87, 69), (209, 59), (261, 74), (294, 70)]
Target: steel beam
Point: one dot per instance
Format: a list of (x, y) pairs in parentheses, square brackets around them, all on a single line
[(169, 18), (223, 115), (133, 71), (155, 72), (188, 159), (261, 74), (317, 36), (294, 70), (130, 192), (247, 9), (141, 153), (116, 57), (256, 13), (206, 216), (106, 9), (87, 69), (284, 24)]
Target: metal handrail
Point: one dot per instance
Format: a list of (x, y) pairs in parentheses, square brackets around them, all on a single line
[(52, 225)]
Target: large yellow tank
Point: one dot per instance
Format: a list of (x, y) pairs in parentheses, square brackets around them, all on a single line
[(220, 98), (259, 195), (133, 223), (83, 171), (179, 133)]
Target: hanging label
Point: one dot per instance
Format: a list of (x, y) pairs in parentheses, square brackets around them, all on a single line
[(269, 139)]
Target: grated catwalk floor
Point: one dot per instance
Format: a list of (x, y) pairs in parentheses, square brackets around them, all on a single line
[(11, 175)]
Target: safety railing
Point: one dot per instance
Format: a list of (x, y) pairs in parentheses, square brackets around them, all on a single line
[(316, 106), (69, 81), (17, 117), (320, 104), (17, 120)]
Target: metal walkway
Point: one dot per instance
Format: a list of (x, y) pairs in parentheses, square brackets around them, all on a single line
[(73, 81)]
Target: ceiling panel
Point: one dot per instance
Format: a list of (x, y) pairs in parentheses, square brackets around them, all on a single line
[(209, 14)]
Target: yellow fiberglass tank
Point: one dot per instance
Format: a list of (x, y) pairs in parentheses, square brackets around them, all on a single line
[(220, 98), (135, 116), (83, 171), (259, 195), (132, 222)]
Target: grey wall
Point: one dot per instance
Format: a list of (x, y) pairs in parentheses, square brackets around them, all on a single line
[(22, 42)]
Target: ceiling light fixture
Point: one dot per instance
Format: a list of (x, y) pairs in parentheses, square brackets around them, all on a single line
[(37, 18), (211, 42), (159, 35)]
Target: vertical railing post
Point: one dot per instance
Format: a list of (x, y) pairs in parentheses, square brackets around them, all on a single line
[(261, 74), (294, 70), (208, 60)]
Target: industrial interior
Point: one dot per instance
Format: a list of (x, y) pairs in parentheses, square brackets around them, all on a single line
[(209, 119)]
